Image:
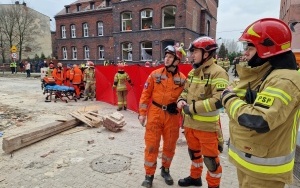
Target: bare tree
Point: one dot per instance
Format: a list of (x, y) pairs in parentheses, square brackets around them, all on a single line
[(231, 45), (19, 25)]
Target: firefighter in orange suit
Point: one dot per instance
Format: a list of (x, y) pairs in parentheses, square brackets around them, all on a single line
[(67, 75), (264, 107), (90, 81), (120, 79), (162, 89), (76, 77), (58, 74), (200, 102)]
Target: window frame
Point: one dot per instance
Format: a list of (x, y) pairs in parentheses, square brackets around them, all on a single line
[(143, 46), (143, 15), (100, 28), (101, 52), (73, 31), (163, 16), (128, 49), (126, 22), (74, 53), (64, 53), (63, 32), (86, 52), (85, 29)]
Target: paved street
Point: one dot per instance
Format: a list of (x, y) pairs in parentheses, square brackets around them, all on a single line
[(70, 159)]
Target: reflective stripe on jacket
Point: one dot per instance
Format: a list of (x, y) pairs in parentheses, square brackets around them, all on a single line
[(202, 92), (269, 155), (121, 80)]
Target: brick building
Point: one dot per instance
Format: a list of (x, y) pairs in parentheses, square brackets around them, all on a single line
[(131, 30), (290, 14)]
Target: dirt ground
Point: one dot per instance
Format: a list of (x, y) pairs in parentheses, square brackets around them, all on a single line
[(22, 104)]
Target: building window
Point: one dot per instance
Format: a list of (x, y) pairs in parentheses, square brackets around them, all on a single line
[(73, 31), (127, 51), (168, 17), (100, 28), (85, 30), (208, 28), (86, 52), (63, 32), (78, 7), (67, 9), (126, 21), (64, 52), (74, 52), (146, 51), (101, 52), (92, 5), (146, 19)]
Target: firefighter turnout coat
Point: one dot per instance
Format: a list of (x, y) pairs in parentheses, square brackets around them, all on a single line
[(263, 134), (202, 92)]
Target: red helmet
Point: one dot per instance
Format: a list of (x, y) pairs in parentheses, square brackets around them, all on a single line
[(205, 43), (121, 66), (174, 51), (90, 63), (270, 37)]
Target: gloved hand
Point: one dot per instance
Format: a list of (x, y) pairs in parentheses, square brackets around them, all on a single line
[(142, 120), (226, 92), (180, 104), (186, 109)]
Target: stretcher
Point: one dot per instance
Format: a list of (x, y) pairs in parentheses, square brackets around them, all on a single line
[(64, 93)]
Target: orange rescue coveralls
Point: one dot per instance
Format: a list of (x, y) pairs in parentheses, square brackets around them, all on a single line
[(76, 77), (58, 75), (163, 89), (67, 77)]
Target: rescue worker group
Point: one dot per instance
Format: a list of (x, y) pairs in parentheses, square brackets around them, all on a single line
[(263, 108)]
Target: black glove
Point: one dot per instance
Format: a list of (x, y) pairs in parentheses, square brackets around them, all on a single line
[(250, 95), (225, 93), (186, 110), (172, 108)]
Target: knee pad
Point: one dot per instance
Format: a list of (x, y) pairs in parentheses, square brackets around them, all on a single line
[(210, 163), (192, 154)]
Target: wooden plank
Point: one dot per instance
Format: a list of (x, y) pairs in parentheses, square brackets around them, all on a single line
[(82, 118), (15, 142)]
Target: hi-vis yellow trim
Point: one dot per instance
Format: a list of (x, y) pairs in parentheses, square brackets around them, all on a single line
[(264, 100), (286, 46), (261, 168), (250, 31), (275, 92), (240, 92), (207, 105), (234, 106), (206, 118), (294, 132)]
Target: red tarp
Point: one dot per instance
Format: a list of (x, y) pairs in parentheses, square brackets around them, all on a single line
[(138, 75)]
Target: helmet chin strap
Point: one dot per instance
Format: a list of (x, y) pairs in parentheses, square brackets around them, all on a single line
[(197, 65), (172, 65)]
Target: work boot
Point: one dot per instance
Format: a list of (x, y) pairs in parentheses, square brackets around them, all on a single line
[(148, 181), (119, 109), (125, 108), (86, 98), (188, 181), (165, 173), (92, 99)]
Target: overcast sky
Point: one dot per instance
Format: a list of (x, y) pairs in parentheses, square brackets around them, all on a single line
[(233, 15)]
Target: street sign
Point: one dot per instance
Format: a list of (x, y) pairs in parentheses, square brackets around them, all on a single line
[(14, 55), (13, 49)]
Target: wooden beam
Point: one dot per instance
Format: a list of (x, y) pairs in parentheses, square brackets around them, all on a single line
[(15, 142)]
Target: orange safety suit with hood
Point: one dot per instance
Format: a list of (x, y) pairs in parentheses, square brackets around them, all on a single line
[(158, 104), (76, 78), (67, 75), (200, 102), (58, 74)]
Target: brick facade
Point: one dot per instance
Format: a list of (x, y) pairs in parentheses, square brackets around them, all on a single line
[(191, 20)]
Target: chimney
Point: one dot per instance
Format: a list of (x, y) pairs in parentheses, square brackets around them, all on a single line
[(24, 3), (17, 2)]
